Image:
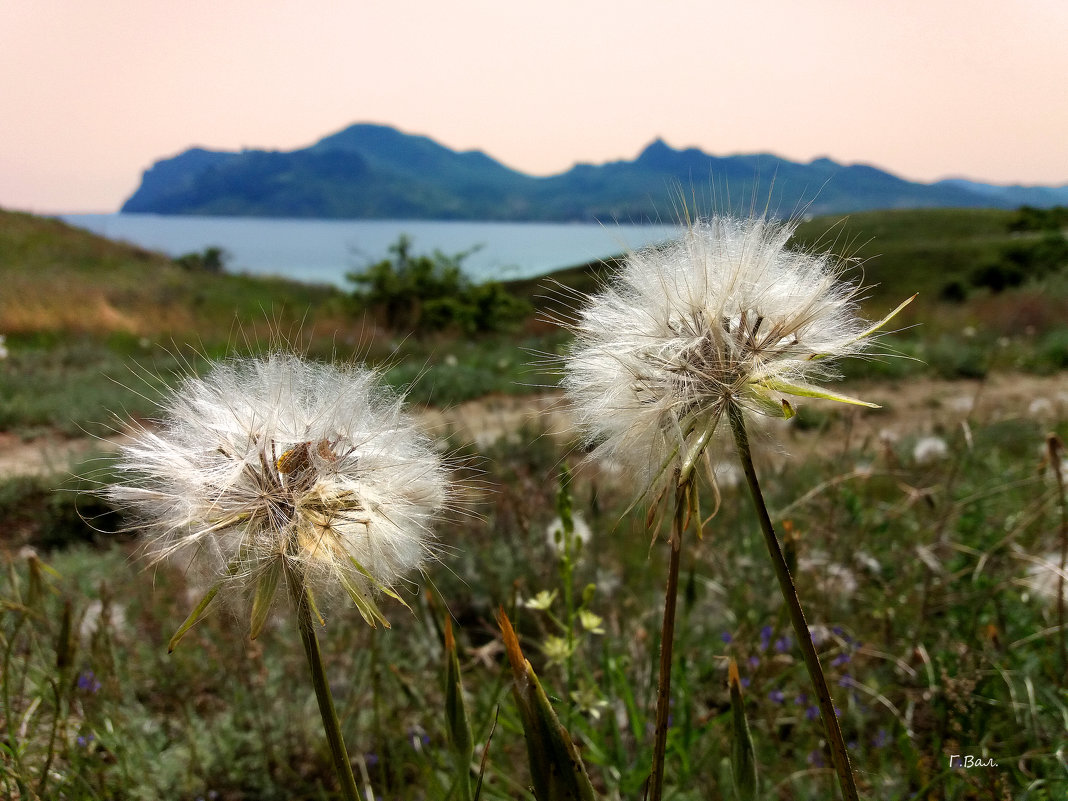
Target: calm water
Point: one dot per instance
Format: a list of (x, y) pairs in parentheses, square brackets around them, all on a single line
[(322, 251)]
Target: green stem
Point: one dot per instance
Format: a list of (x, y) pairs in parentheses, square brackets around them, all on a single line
[(839, 755), (299, 598), (667, 638), (1055, 447)]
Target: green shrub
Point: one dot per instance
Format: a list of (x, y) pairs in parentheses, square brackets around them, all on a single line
[(421, 293)]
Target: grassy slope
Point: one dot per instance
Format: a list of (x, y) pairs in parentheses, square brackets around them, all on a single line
[(84, 316), (901, 252), (59, 279)]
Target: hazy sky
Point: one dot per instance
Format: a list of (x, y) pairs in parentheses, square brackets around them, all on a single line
[(93, 91)]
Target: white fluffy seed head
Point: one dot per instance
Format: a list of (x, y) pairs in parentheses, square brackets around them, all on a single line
[(726, 315), (278, 460)]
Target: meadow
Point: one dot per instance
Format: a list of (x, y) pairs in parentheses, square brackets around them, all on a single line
[(925, 537)]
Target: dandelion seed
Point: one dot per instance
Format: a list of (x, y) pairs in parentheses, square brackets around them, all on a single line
[(1041, 408), (831, 578), (1044, 577), (278, 467), (580, 532), (928, 450), (726, 316)]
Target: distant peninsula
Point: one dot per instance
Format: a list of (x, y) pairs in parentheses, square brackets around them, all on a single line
[(372, 171)]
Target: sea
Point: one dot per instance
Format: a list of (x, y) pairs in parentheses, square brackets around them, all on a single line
[(323, 251)]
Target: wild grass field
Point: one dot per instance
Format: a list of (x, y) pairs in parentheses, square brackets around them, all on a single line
[(926, 538)]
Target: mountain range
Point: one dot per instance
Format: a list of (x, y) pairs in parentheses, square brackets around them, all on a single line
[(377, 172)]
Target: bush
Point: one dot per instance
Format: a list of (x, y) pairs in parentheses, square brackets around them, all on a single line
[(424, 293), (1029, 218), (212, 260)]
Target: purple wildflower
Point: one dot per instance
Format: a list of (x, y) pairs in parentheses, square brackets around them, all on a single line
[(776, 696), (765, 637), (87, 682)]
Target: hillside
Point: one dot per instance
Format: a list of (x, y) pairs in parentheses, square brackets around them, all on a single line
[(375, 171), (58, 278)]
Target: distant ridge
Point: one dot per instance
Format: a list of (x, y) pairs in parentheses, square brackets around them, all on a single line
[(377, 172)]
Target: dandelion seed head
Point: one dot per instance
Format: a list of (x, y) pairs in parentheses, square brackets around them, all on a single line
[(580, 532), (279, 458), (726, 315), (928, 450), (1044, 578)]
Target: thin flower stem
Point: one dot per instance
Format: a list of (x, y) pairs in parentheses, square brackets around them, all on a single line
[(655, 788), (306, 623), (1055, 447), (839, 755)]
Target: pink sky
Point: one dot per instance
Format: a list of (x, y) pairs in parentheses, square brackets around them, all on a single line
[(91, 93)]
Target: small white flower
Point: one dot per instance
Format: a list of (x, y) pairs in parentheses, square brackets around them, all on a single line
[(726, 316), (594, 624), (282, 467), (928, 450), (542, 601), (3, 347)]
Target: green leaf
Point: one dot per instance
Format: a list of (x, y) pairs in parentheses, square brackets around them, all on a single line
[(203, 607), (313, 607), (870, 331), (743, 759), (266, 586), (459, 729), (194, 617), (556, 769), (809, 391), (368, 608), (378, 585)]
